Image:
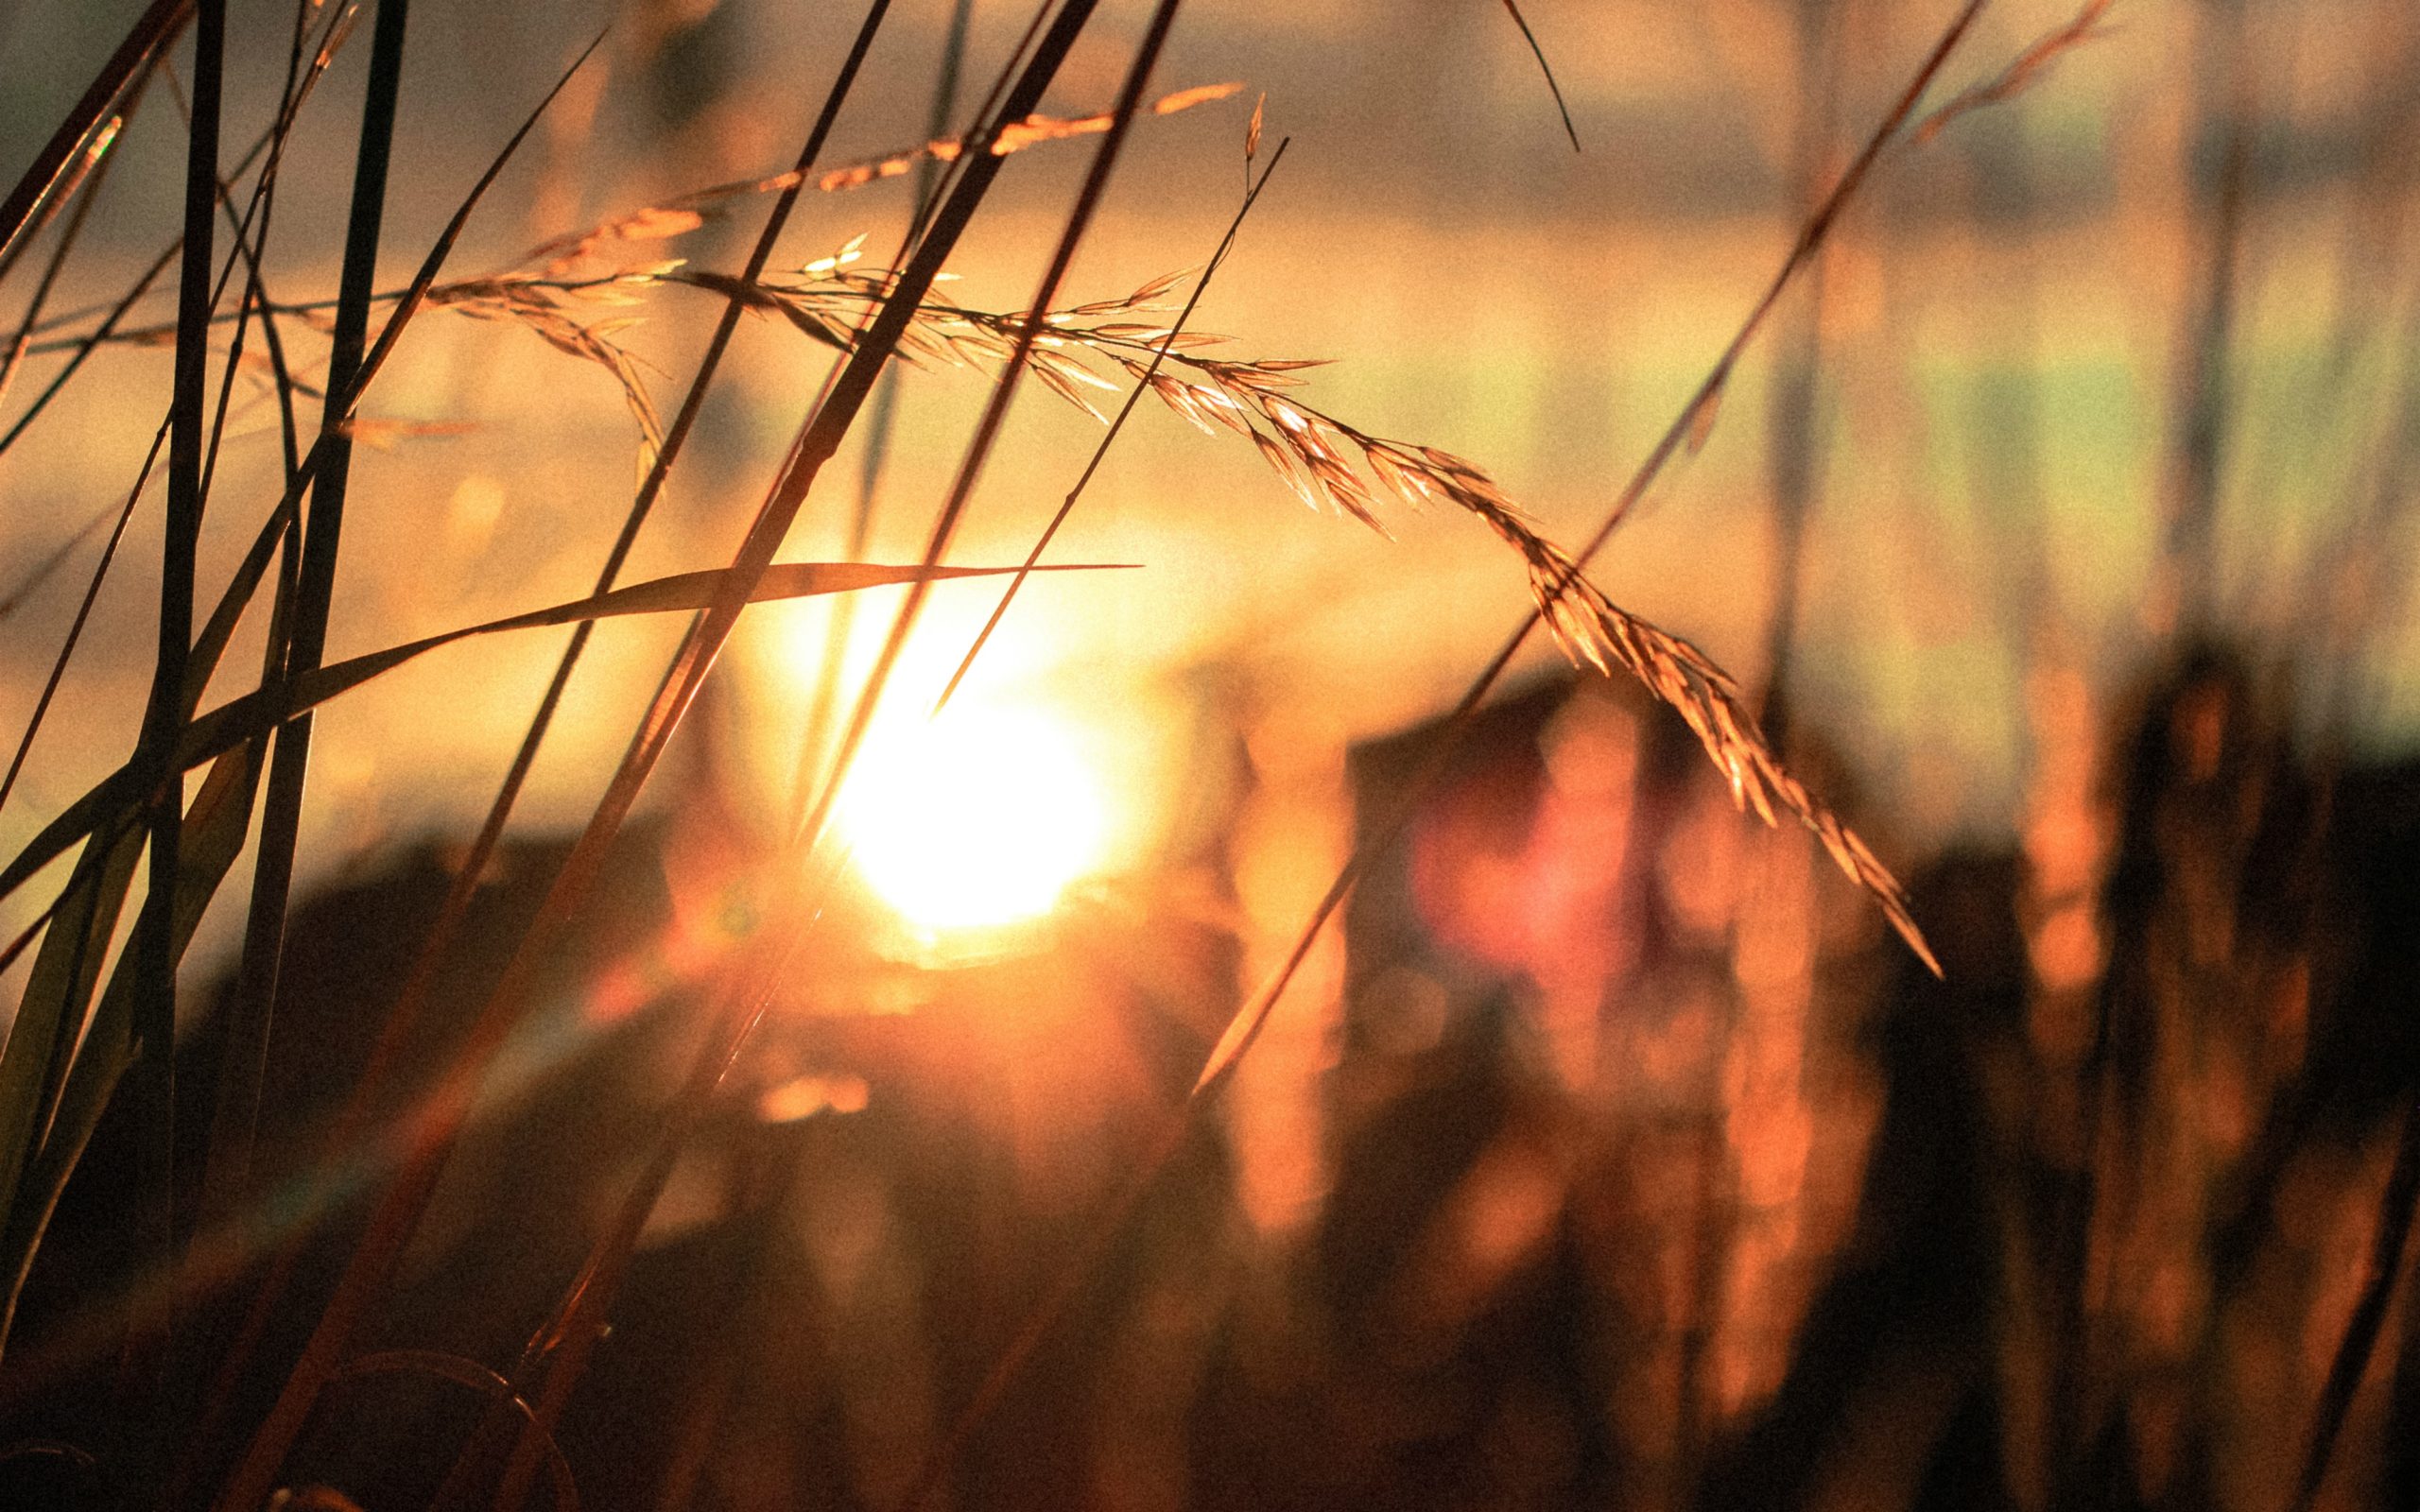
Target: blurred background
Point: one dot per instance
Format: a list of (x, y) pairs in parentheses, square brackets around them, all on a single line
[(1612, 1153)]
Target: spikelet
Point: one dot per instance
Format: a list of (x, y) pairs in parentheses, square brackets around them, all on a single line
[(536, 306), (1322, 460), (689, 210), (1330, 464), (1592, 628)]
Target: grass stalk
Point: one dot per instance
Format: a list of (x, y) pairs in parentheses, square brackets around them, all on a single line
[(1811, 237), (150, 1086), (1117, 425), (1101, 1235), (559, 1353), (996, 410), (38, 191), (433, 1133), (96, 162), (80, 349), (252, 1005), (256, 294), (86, 346), (878, 430), (83, 613), (985, 1368), (94, 1091), (353, 1122), (252, 244), (1514, 9), (412, 1001)]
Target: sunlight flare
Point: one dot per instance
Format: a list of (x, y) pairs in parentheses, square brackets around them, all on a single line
[(978, 819)]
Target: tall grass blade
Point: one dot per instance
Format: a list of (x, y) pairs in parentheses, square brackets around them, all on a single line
[(221, 628), (248, 1023), (250, 242), (995, 408), (876, 451), (150, 996), (53, 166), (403, 1197), (50, 1012), (87, 346), (93, 165), (1250, 1019), (81, 349), (666, 451), (400, 1205), (455, 906), (211, 836), (251, 716)]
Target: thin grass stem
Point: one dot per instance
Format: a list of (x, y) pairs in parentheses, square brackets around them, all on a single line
[(300, 649), (1117, 425), (83, 613), (878, 427), (81, 349), (150, 1086), (996, 412), (97, 161), (37, 192), (1244, 1029)]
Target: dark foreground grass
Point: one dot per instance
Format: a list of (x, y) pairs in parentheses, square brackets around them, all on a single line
[(252, 1280)]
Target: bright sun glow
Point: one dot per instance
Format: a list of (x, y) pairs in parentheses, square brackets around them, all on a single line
[(979, 818)]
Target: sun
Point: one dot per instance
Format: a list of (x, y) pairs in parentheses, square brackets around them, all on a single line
[(976, 819)]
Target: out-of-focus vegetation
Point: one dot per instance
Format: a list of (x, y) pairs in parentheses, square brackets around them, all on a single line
[(1210, 1023)]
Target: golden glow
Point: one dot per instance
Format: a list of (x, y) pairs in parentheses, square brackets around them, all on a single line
[(979, 818)]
